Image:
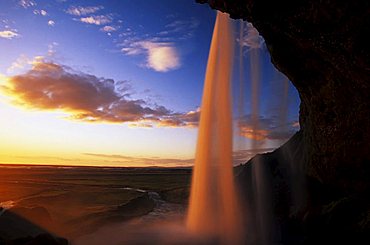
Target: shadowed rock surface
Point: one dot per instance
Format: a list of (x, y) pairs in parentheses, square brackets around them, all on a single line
[(16, 230), (303, 210)]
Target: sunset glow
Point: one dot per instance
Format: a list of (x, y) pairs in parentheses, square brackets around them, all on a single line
[(109, 83)]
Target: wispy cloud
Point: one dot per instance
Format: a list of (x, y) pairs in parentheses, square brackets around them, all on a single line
[(52, 49), (27, 3), (40, 12), (184, 28), (139, 161), (133, 48), (51, 23), (23, 62), (9, 34), (19, 63), (88, 15), (239, 157), (97, 19), (108, 29), (251, 38), (85, 97), (81, 11)]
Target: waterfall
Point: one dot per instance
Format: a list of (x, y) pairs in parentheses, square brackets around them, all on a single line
[(213, 210)]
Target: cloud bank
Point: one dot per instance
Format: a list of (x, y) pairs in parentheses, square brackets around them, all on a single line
[(85, 97)]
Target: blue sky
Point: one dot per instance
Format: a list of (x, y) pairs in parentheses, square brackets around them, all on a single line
[(107, 82)]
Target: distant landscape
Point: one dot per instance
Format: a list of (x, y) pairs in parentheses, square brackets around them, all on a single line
[(71, 202)]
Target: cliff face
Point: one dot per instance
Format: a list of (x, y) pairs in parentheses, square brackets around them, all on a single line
[(322, 46)]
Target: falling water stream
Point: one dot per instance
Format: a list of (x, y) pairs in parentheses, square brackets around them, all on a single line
[(213, 210)]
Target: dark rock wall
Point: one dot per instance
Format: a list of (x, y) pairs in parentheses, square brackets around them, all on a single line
[(322, 46), (300, 209), (284, 195)]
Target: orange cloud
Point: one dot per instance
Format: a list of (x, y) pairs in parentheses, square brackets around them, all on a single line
[(266, 129), (51, 86), (189, 119), (255, 134)]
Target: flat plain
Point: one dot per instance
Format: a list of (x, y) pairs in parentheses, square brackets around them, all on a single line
[(74, 201)]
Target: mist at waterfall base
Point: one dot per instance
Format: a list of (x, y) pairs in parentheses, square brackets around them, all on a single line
[(215, 214)]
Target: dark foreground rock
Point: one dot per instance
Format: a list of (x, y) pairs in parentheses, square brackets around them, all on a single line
[(42, 239), (300, 209), (16, 230)]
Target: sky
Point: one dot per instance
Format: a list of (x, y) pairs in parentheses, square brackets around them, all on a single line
[(119, 83)]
